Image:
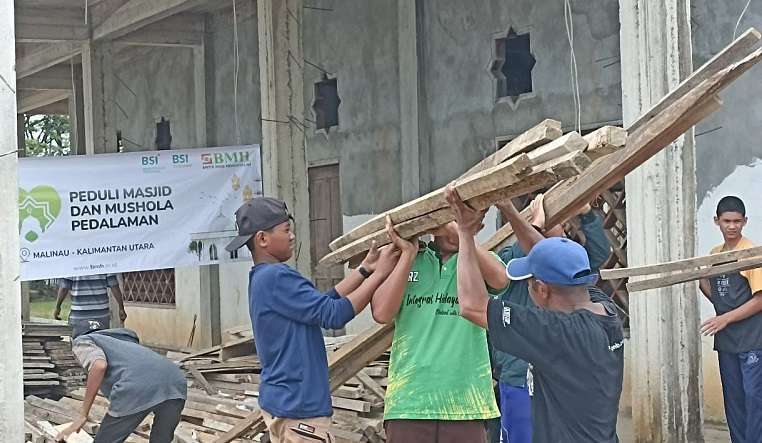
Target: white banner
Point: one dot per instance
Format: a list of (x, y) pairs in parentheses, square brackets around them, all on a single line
[(111, 213)]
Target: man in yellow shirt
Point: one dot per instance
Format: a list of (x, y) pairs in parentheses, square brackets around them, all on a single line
[(737, 328)]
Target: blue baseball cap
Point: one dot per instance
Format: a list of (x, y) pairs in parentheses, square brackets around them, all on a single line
[(557, 260)]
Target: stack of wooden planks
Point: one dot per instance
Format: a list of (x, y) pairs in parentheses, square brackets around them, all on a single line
[(50, 367), (537, 159), (222, 395)]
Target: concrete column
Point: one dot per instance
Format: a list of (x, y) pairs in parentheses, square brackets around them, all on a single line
[(281, 78), (661, 208), (21, 140), (77, 112), (11, 378), (98, 98)]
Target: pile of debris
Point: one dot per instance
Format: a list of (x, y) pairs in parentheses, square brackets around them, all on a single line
[(50, 367)]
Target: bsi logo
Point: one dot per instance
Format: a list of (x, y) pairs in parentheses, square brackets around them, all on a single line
[(181, 159), (148, 161)]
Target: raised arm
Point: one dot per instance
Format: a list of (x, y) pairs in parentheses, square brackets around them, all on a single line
[(387, 300), (526, 234), (354, 278), (472, 292)]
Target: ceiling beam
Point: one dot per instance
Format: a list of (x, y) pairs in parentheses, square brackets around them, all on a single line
[(55, 77), (50, 24), (182, 30), (51, 54), (30, 101), (136, 14)]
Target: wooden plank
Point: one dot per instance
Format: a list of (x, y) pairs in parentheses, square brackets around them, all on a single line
[(562, 168), (237, 348), (682, 277), (343, 364), (604, 141), (681, 265), (546, 131), (569, 143), (676, 116), (201, 353), (371, 384), (473, 185), (201, 380), (741, 47)]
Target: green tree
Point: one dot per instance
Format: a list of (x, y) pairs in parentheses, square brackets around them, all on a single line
[(47, 135)]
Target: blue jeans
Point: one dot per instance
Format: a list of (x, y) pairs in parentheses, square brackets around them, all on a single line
[(741, 376), (515, 414)]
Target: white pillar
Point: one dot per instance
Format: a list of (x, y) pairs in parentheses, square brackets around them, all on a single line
[(655, 40), (11, 378), (281, 78)]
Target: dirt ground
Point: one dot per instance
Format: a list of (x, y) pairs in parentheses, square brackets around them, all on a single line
[(712, 433)]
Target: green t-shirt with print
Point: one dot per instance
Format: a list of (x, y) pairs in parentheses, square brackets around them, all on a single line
[(440, 366)]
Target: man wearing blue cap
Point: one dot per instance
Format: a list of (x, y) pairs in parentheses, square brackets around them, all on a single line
[(572, 340)]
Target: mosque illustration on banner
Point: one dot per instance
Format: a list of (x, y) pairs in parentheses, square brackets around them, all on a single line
[(209, 246)]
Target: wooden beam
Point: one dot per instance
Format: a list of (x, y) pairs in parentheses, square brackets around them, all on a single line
[(470, 186), (343, 364), (604, 141), (568, 143), (720, 258), (36, 24), (740, 48), (697, 274), (649, 138), (136, 14), (546, 131), (572, 164), (30, 101), (51, 54)]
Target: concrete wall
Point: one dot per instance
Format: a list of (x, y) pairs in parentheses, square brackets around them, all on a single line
[(728, 153), (159, 81), (460, 90)]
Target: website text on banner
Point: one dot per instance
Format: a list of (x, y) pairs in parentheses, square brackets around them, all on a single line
[(110, 213)]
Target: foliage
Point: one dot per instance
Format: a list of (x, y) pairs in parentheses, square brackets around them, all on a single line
[(47, 135)]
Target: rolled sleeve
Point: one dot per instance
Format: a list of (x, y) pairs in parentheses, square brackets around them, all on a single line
[(112, 281), (64, 283)]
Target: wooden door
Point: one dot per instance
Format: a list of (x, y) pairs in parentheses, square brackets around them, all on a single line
[(325, 222)]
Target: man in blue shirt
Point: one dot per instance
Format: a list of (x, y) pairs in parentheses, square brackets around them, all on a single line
[(287, 313)]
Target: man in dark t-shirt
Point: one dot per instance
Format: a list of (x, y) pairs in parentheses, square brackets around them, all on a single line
[(573, 339), (737, 327)]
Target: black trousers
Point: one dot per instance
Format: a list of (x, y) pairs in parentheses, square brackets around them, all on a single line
[(165, 420)]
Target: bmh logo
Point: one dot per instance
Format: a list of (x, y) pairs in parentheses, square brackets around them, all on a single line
[(38, 209), (226, 159)]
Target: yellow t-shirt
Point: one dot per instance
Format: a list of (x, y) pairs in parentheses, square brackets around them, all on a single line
[(754, 276)]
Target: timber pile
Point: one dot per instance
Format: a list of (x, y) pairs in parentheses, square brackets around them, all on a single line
[(226, 373), (50, 367), (223, 395)]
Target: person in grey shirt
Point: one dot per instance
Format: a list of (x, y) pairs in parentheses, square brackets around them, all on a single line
[(136, 380), (573, 339)]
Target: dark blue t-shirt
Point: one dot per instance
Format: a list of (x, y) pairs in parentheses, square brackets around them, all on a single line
[(287, 312)]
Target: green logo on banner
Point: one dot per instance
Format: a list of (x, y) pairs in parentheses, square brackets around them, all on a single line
[(42, 204)]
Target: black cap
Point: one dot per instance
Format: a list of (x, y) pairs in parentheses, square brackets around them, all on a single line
[(257, 214)]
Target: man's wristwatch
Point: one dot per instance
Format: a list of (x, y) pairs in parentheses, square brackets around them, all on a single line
[(364, 272)]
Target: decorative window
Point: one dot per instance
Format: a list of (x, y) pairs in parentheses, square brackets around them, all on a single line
[(151, 287), (512, 65), (326, 105)]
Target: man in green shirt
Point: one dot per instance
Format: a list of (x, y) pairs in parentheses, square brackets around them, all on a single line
[(440, 381)]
